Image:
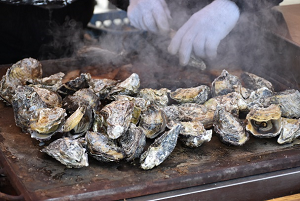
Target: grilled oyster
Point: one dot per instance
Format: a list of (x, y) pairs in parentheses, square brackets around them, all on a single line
[(264, 122), (289, 101), (69, 152), (290, 130), (51, 98), (193, 134), (102, 148), (133, 142), (254, 82), (129, 86), (116, 117), (26, 70), (157, 97), (225, 83), (230, 129), (198, 94), (53, 82), (160, 149), (48, 122), (102, 87), (153, 121), (260, 98), (74, 85)]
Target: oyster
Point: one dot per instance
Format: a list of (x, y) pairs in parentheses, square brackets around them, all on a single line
[(160, 149), (225, 83), (133, 142), (260, 98), (255, 82), (102, 148), (102, 87), (117, 116), (51, 98), (230, 129), (290, 130), (289, 101), (157, 97), (153, 121), (48, 122), (53, 82), (198, 94), (26, 70), (193, 134), (68, 151), (74, 85), (264, 122), (129, 86)]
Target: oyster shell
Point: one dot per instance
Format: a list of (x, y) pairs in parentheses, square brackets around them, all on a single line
[(117, 116), (133, 142), (230, 129), (157, 97), (102, 148), (290, 130), (74, 85), (264, 122), (160, 149), (255, 82), (225, 83), (289, 101), (51, 98), (153, 121), (102, 87), (53, 82), (129, 86), (198, 94), (193, 134), (26, 70), (260, 98), (69, 152), (48, 122)]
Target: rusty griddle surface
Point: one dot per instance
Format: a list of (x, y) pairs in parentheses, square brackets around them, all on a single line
[(37, 176)]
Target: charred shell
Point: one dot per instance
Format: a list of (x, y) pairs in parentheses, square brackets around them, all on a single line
[(254, 82), (129, 86), (74, 85), (133, 142), (264, 122), (68, 151), (157, 97), (102, 148), (290, 131), (193, 134), (160, 149), (229, 128), (102, 87), (198, 94), (225, 83)]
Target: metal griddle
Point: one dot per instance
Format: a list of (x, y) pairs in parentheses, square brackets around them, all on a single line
[(37, 176)]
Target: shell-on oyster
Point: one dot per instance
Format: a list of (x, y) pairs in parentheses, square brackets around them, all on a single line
[(51, 98), (102, 148), (53, 82), (198, 94), (69, 152), (225, 83), (25, 70), (255, 82), (264, 122), (129, 86), (259, 98), (102, 87), (74, 85), (133, 142), (153, 121), (117, 117), (193, 134), (290, 130), (230, 129), (160, 149), (289, 102), (157, 97)]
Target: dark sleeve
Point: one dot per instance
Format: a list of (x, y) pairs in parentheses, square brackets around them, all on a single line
[(122, 4), (256, 5)]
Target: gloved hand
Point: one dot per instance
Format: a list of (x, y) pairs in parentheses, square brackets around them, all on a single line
[(149, 15), (204, 30)]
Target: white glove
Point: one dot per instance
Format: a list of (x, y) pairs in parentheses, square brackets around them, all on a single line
[(149, 15), (204, 30)]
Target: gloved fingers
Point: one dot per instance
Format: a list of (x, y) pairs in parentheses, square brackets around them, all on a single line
[(177, 39), (199, 45), (150, 23), (211, 47), (162, 20), (186, 47)]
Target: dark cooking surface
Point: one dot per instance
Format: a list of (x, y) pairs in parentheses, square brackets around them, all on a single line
[(39, 177)]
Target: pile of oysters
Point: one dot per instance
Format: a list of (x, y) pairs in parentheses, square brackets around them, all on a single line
[(111, 120)]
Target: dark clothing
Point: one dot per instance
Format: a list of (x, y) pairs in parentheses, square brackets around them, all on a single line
[(39, 32)]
